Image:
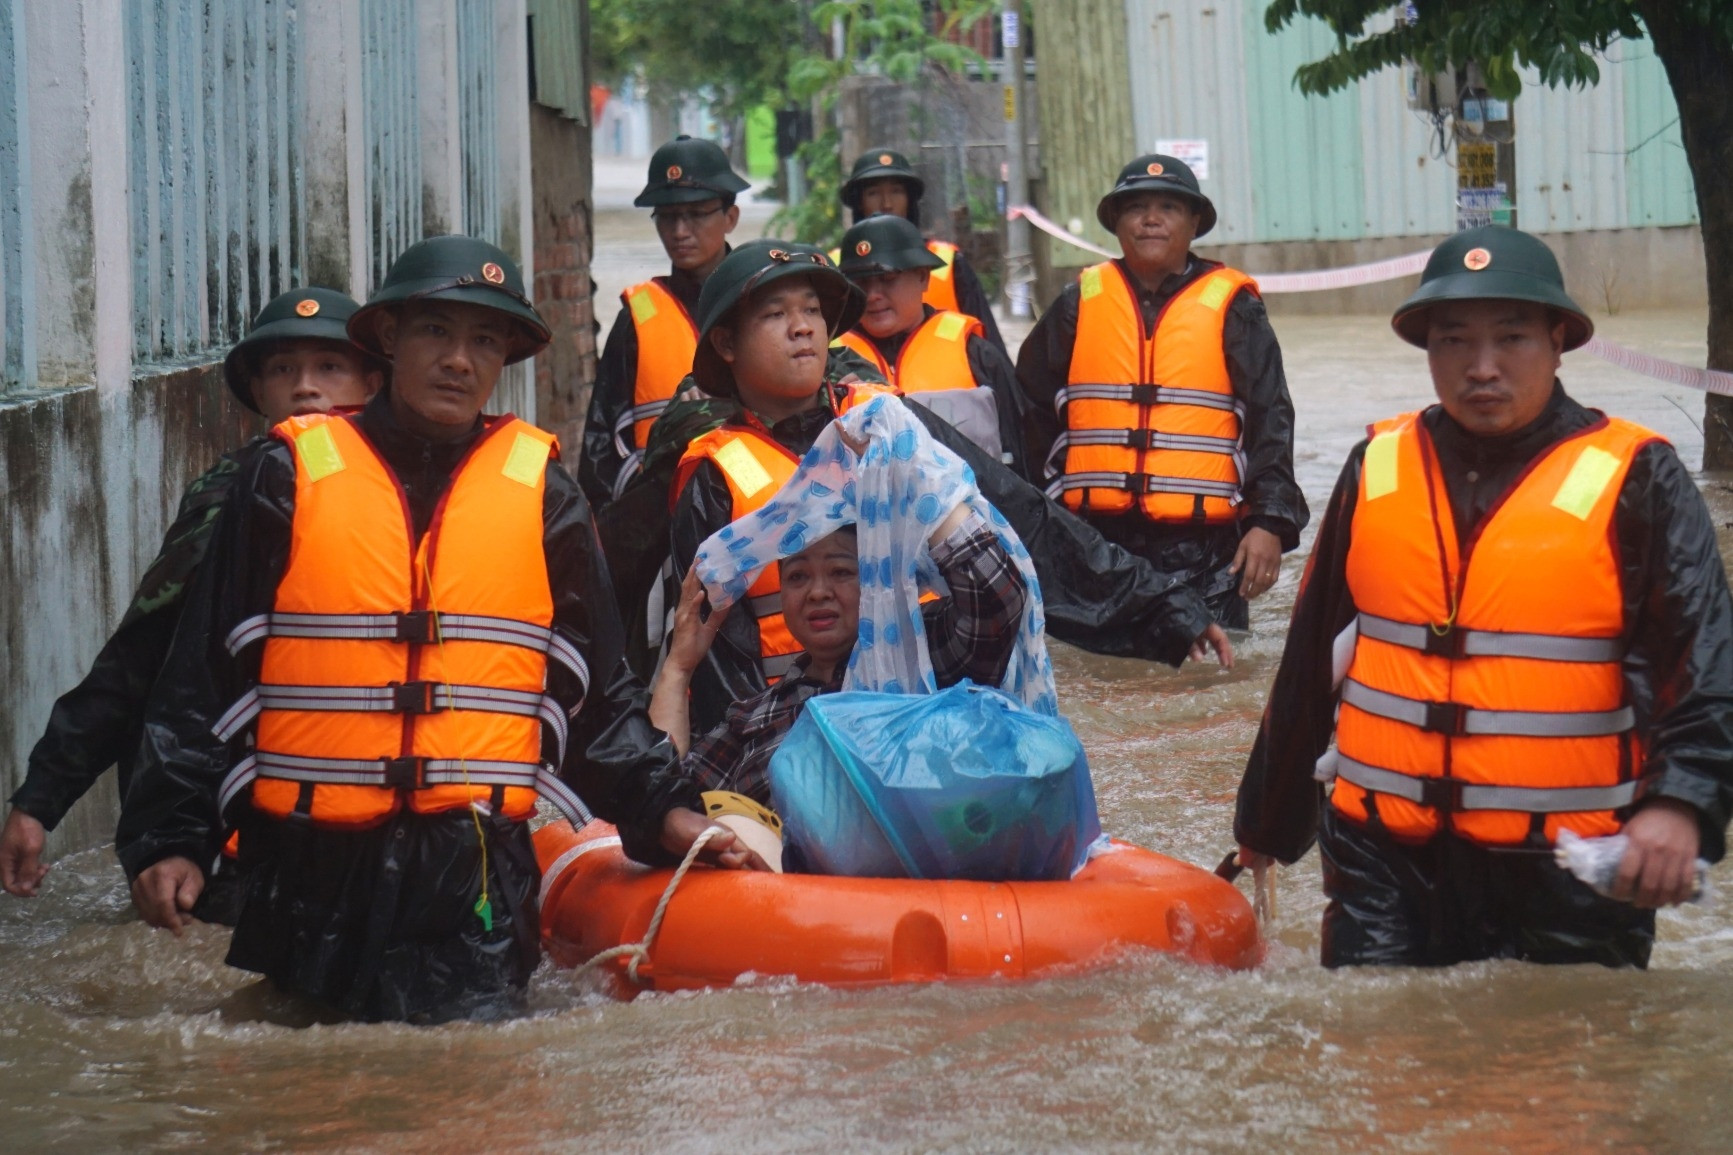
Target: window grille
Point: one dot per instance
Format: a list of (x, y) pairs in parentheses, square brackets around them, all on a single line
[(218, 223), (393, 130)]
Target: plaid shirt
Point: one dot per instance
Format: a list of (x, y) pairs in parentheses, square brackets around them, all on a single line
[(969, 635)]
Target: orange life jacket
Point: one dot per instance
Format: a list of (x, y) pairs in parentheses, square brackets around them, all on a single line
[(941, 291), (1486, 693), (667, 342), (934, 357), (756, 466), (1151, 423), (397, 671)]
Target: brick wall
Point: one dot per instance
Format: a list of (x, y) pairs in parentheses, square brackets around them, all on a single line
[(560, 177)]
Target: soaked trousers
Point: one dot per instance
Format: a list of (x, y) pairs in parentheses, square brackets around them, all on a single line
[(1449, 901), (380, 924)]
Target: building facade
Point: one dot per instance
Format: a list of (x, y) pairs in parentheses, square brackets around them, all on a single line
[(166, 167)]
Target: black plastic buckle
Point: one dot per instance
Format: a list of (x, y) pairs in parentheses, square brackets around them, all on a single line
[(416, 626), (1442, 794), (415, 698), (1145, 394), (1448, 718), (1449, 644), (405, 773)]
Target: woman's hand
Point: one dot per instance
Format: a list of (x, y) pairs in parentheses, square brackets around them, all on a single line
[(693, 635), (681, 828), (1215, 638)]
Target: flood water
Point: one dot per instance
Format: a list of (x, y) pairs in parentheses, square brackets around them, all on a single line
[(116, 1037)]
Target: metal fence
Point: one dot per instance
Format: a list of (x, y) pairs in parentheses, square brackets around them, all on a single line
[(17, 256), (392, 122), (478, 117), (218, 224)]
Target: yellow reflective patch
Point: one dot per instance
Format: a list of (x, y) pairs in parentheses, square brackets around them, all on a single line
[(1585, 483), (643, 306), (1217, 291), (951, 326), (527, 461), (743, 469), (1091, 283), (319, 454), (1379, 468), (946, 254)]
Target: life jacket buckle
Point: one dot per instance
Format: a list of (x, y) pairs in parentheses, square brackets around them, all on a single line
[(1451, 643), (1442, 794), (415, 698), (1146, 395), (405, 773), (1447, 718), (416, 627), (1140, 439)]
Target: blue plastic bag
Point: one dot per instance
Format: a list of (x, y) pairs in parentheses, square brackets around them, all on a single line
[(964, 783)]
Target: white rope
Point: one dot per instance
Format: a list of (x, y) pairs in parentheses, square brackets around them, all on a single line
[(639, 952)]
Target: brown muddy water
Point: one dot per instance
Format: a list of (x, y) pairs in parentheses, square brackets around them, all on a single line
[(114, 1037)]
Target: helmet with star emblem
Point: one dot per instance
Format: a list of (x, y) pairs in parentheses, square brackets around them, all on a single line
[(688, 170), (1493, 262), (454, 268)]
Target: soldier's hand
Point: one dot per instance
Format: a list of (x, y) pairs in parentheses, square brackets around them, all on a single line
[(166, 891), (1660, 863), (1258, 561), (21, 843), (1215, 638)]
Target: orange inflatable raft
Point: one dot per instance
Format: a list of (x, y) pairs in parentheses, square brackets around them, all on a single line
[(848, 932)]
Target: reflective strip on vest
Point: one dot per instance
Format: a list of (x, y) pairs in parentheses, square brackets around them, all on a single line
[(1146, 395), (1491, 644), (1456, 719), (404, 774), (628, 470), (1141, 484), (1452, 794), (776, 666), (648, 411)]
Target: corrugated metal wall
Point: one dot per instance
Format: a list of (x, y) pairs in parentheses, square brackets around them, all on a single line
[(558, 57), (1358, 164), (1086, 118)]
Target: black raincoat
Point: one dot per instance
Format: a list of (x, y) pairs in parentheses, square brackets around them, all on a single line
[(97, 723), (1273, 500), (1096, 595), (1450, 900), (380, 923)]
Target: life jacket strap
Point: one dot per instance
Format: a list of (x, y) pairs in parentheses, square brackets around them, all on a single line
[(1144, 483), (404, 774), (1456, 643), (417, 627), (1450, 795), (628, 470), (414, 698), (648, 411), (774, 666), (1457, 720), (1146, 395)]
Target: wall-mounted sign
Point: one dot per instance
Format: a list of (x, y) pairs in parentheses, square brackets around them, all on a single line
[(1195, 153)]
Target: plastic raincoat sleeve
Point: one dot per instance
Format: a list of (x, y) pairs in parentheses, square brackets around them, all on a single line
[(1272, 495), (97, 723), (616, 376), (619, 763), (972, 299), (1678, 673)]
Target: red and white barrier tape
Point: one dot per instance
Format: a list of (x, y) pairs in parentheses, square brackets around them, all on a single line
[(1672, 372)]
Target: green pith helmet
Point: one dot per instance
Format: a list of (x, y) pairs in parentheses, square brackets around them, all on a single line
[(297, 315), (1156, 173), (454, 268), (885, 244), (1495, 263), (687, 170), (883, 164), (751, 267)]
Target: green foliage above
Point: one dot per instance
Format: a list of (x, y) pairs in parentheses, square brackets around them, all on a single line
[(738, 52), (891, 38), (1559, 39)]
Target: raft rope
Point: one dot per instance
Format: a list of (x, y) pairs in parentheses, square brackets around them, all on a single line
[(639, 952)]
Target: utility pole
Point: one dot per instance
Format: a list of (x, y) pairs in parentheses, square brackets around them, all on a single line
[(1018, 263)]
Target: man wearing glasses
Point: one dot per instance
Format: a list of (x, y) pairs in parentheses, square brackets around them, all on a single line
[(690, 192)]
